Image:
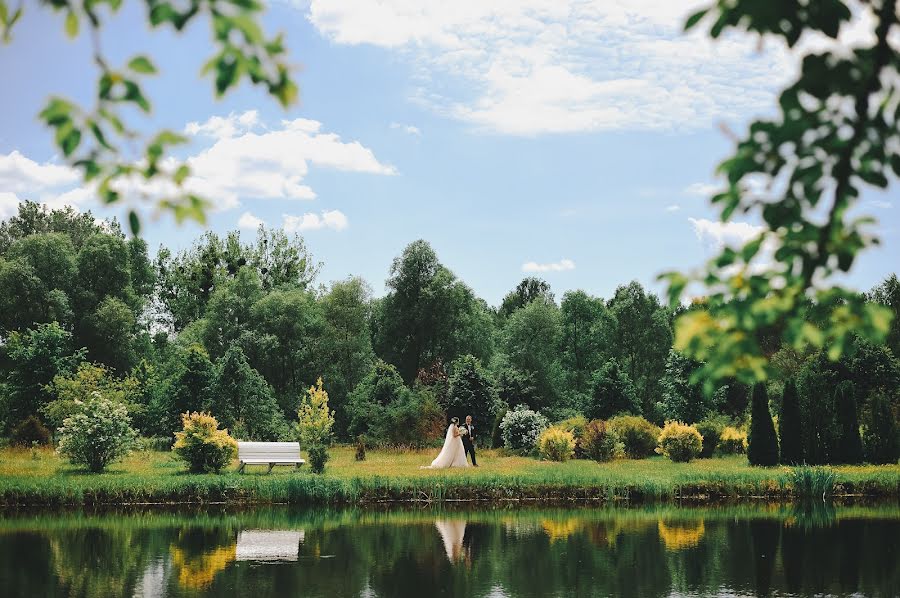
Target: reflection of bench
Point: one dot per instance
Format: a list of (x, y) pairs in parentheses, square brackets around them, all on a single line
[(268, 545), (269, 453)]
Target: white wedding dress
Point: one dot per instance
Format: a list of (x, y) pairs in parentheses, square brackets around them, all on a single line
[(452, 455)]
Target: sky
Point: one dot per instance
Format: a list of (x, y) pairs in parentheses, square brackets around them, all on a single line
[(572, 140)]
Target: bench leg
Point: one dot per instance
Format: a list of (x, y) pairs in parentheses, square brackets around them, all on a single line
[(271, 465), (241, 468)]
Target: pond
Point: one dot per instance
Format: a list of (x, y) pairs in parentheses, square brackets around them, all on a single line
[(776, 550)]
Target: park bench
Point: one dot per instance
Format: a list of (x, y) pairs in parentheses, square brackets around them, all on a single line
[(269, 453)]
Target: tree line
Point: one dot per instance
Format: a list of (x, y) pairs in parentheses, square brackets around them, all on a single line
[(241, 328)]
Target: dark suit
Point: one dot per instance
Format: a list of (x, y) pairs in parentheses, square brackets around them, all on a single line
[(469, 442)]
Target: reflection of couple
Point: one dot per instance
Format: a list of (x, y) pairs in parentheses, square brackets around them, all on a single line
[(458, 444)]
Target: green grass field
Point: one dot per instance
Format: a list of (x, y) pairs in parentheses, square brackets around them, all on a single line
[(42, 478)]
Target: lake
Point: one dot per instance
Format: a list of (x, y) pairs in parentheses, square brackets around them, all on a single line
[(729, 550)]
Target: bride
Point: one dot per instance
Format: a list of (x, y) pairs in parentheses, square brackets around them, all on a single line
[(453, 454)]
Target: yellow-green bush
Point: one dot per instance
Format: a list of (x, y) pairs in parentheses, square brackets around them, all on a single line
[(680, 442), (202, 445), (732, 441), (637, 435), (556, 444), (576, 426), (600, 442)]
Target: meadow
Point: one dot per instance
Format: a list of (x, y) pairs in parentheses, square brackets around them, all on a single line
[(42, 478)]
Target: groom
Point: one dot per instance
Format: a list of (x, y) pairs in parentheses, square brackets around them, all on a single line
[(469, 439)]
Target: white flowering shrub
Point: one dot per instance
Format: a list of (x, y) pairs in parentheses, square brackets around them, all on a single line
[(521, 427), (98, 433)]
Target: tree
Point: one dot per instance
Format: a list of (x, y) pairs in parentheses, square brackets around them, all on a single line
[(471, 392), (109, 334), (881, 439), (791, 426), (24, 299), (516, 387), (36, 357), (762, 442), (848, 448), (315, 422), (37, 219), (790, 179), (70, 391), (683, 400), (583, 319), (228, 313), (639, 337), (612, 393), (90, 139), (238, 393), (531, 340), (888, 294), (428, 314), (530, 289), (190, 386), (50, 255)]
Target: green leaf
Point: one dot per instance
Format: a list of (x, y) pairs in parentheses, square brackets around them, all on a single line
[(72, 24), (181, 174), (134, 94), (695, 18), (142, 64), (134, 223), (99, 136)]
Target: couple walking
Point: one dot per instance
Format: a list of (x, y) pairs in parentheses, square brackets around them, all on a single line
[(458, 444)]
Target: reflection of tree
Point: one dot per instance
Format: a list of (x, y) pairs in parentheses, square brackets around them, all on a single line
[(199, 555), (560, 529), (765, 534), (680, 535), (99, 562)]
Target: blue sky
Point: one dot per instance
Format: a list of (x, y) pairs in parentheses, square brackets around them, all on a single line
[(573, 140)]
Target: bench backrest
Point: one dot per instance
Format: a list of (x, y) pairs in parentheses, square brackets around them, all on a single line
[(268, 450)]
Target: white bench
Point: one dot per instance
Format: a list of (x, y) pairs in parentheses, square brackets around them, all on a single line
[(269, 453)]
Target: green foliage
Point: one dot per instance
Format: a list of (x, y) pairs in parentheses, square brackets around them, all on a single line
[(95, 140), (680, 442), (600, 443), (29, 432), (530, 340), (584, 319), (471, 391), (190, 386), (882, 438), (530, 289), (314, 426), (639, 437), (612, 392), (98, 434), (813, 482), (515, 387), (762, 443), (576, 425), (683, 400), (804, 176), (710, 429), (70, 392), (202, 445), (790, 426), (848, 448), (556, 444), (888, 294), (521, 428)]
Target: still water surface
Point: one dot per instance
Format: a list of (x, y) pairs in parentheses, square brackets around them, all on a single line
[(283, 552)]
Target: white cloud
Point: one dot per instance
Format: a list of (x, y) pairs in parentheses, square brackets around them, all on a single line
[(9, 205), (248, 220), (408, 129), (705, 190), (330, 219), (560, 266), (235, 158), (673, 208), (718, 234), (528, 67), (882, 204)]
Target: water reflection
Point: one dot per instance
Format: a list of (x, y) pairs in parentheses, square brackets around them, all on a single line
[(660, 551)]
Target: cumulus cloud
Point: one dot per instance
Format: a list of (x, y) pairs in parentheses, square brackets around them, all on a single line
[(328, 219), (408, 129), (718, 234), (8, 205), (560, 266), (705, 190), (551, 66), (673, 208), (248, 220)]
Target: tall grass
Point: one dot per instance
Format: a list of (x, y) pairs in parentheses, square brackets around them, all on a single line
[(813, 482)]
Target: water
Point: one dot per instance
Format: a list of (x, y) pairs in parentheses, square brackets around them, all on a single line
[(281, 552)]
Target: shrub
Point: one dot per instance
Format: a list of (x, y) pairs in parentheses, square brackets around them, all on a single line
[(638, 436), (791, 426), (556, 444), (711, 430), (575, 425), (314, 426), (520, 429), (762, 443), (202, 445), (496, 432), (680, 442), (360, 448), (881, 439), (29, 431), (732, 441), (97, 434), (600, 443)]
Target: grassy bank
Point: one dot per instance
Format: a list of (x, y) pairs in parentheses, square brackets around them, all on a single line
[(154, 477)]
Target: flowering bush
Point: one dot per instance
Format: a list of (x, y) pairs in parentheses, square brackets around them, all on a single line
[(202, 445), (732, 441), (600, 442), (638, 436), (680, 442), (521, 427), (98, 433), (314, 424), (556, 444)]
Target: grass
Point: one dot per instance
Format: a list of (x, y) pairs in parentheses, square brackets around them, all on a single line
[(157, 477)]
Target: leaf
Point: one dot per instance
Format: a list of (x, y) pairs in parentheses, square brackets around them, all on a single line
[(695, 18), (181, 174), (134, 94), (142, 64), (69, 141), (72, 24), (134, 223)]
